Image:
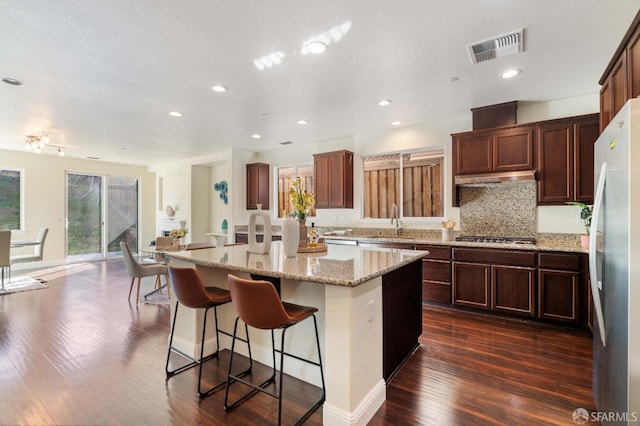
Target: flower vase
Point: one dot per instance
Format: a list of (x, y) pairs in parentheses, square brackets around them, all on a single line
[(290, 237), (302, 242)]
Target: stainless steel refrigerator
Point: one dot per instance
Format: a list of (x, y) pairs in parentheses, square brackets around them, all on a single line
[(614, 266)]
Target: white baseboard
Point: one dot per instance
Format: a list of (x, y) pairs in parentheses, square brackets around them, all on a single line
[(193, 350), (333, 416)]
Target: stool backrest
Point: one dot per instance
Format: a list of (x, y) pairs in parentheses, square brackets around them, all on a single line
[(188, 287), (42, 236), (257, 303)]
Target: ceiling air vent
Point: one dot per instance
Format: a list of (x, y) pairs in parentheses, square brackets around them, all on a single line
[(497, 47)]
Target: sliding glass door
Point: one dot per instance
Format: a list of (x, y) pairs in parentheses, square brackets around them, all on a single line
[(102, 211)]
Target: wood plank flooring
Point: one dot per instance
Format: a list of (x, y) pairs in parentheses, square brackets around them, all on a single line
[(79, 353)]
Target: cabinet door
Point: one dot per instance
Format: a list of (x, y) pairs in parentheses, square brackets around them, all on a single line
[(333, 179), (558, 295), (619, 92), (474, 154), (513, 290), (513, 150), (257, 186), (555, 163), (633, 64), (585, 138), (471, 285), (605, 104)]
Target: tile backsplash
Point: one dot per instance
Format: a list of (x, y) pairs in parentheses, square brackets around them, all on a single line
[(506, 209)]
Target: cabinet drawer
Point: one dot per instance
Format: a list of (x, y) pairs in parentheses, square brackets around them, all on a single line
[(499, 257), (436, 292), (568, 262), (433, 270), (435, 252)]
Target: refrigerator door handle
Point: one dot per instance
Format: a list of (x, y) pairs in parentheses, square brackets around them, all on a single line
[(596, 281)]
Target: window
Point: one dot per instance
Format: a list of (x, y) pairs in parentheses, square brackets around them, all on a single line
[(10, 199), (412, 181), (286, 177)]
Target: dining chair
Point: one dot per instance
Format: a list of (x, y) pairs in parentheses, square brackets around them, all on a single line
[(5, 257), (139, 270), (39, 249)]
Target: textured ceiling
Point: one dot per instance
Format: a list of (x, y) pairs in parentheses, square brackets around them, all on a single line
[(101, 76)]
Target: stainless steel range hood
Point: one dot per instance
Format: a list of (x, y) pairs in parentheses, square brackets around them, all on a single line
[(486, 179)]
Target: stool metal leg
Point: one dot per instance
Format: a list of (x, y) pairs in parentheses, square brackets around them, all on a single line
[(202, 359), (260, 388)]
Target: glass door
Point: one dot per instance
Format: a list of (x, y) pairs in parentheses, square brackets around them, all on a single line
[(101, 212)]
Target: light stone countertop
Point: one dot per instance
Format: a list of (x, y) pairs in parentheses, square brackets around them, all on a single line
[(339, 265), (542, 244)]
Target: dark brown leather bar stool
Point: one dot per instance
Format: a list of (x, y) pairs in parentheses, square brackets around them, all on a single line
[(191, 292), (258, 305)]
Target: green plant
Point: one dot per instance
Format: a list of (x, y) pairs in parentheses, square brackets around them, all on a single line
[(585, 214)]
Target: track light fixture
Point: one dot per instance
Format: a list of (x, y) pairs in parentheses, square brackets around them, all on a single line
[(36, 143)]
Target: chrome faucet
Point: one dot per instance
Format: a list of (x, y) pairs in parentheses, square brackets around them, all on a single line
[(394, 215)]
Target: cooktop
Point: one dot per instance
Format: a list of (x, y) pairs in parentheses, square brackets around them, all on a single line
[(499, 239)]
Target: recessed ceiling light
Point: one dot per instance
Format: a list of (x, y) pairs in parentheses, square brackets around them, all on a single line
[(396, 123), (315, 47), (12, 81), (175, 114), (510, 73), (256, 136), (384, 102), (218, 88), (301, 122)]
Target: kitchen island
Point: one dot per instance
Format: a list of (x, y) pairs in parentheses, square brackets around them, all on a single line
[(369, 318)]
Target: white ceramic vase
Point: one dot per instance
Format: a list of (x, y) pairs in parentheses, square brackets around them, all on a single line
[(290, 236)]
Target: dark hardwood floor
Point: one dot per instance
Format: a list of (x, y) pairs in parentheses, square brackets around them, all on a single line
[(79, 353)]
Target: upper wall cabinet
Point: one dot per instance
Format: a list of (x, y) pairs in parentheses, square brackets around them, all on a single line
[(621, 80), (499, 150), (333, 179), (257, 186), (565, 159)]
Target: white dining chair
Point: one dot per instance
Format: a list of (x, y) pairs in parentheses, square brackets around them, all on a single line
[(5, 255), (39, 249)]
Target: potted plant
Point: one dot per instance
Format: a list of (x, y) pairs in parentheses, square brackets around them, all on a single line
[(586, 212)]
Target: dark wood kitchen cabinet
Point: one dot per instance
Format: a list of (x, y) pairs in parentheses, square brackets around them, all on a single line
[(492, 150), (562, 287), (257, 186), (621, 79), (333, 179), (497, 280), (436, 273), (498, 150), (564, 150)]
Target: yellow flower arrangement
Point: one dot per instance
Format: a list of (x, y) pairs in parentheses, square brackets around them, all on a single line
[(301, 199), (178, 233)]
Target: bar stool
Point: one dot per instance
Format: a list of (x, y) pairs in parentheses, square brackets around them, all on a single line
[(258, 305), (191, 292)]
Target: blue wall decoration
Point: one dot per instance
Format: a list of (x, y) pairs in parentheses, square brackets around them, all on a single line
[(223, 188)]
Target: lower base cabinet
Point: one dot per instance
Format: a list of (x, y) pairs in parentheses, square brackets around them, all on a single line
[(436, 273), (563, 287), (496, 280)]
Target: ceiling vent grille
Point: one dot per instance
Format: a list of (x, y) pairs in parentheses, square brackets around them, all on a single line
[(497, 47)]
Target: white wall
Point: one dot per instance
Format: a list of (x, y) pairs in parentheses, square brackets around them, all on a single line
[(45, 197)]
